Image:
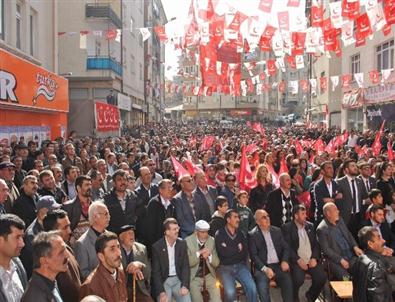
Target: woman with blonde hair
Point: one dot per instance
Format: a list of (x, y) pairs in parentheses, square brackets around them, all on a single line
[(258, 195)]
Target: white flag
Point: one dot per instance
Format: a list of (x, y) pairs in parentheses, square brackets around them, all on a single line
[(259, 89), (97, 33), (277, 44), (348, 33), (313, 85), (280, 64), (377, 18), (118, 37), (299, 62), (298, 21), (359, 79), (82, 41), (336, 14), (335, 82), (204, 32), (369, 4), (145, 33), (311, 40), (293, 87), (287, 42), (385, 73), (274, 85)]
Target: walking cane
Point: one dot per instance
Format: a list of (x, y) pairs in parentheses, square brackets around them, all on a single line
[(205, 294), (134, 287)]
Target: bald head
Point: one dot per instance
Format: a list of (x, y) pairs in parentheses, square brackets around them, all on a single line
[(285, 181), (146, 176), (331, 212), (262, 219)]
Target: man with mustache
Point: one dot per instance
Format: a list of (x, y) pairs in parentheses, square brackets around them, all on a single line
[(50, 257), (108, 279), (13, 278), (77, 208)]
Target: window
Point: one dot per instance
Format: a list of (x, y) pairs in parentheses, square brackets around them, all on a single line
[(385, 55), (141, 71), (132, 26), (355, 64), (132, 65), (97, 48), (32, 32), (2, 19), (18, 26)]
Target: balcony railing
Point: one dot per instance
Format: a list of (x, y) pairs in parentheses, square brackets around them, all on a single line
[(100, 10), (104, 63)]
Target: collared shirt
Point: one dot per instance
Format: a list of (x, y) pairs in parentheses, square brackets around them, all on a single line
[(304, 250), (376, 226), (110, 169), (271, 251), (12, 285), (172, 261), (329, 187), (71, 189), (148, 189), (366, 183), (350, 179), (165, 203)]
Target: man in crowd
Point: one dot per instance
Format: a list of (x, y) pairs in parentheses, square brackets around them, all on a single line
[(270, 254), (84, 247), (13, 279), (4, 192), (280, 202), (205, 192), (69, 282), (50, 258), (57, 171), (229, 190), (370, 272), (158, 210), (7, 173), (107, 179), (155, 177), (77, 208), (304, 253), (203, 261), (218, 219), (49, 187), (107, 280), (71, 159), (97, 183), (68, 186), (121, 202), (25, 205), (326, 190), (135, 264), (170, 265), (232, 249), (368, 181), (19, 172), (337, 243)]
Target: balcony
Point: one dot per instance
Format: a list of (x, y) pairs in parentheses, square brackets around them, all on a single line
[(103, 11), (104, 63)]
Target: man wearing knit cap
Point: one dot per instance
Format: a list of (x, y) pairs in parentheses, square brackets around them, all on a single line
[(203, 260)]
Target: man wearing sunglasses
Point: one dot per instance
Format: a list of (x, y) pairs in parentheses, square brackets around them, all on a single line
[(229, 190)]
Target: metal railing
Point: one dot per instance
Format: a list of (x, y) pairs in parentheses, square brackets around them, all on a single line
[(100, 10)]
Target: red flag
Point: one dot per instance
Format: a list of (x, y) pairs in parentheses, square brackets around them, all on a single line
[(386, 29), (376, 146), (271, 67), (265, 44), (207, 142), (207, 14), (324, 83), (237, 20), (246, 178), (304, 84), (330, 39), (192, 169), (319, 146), (363, 25), (255, 159), (293, 3), (283, 167), (266, 6), (344, 137), (390, 152), (262, 76), (389, 12), (330, 148), (374, 76), (346, 79), (178, 168), (317, 16), (264, 144), (291, 61), (281, 86), (350, 9), (298, 147), (298, 40), (251, 148), (360, 40), (111, 34), (161, 33)]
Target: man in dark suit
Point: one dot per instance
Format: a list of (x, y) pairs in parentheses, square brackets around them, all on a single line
[(170, 265), (337, 243), (325, 190), (188, 209), (121, 203), (304, 253), (206, 193), (270, 254), (353, 193), (377, 220), (280, 202), (365, 175)]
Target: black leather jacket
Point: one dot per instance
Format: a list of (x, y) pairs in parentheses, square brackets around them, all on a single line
[(370, 280)]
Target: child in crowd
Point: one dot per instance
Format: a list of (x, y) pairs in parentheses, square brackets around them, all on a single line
[(247, 221), (217, 220)]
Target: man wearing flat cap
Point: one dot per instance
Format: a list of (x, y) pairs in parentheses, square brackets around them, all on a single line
[(135, 264), (203, 260), (7, 173)]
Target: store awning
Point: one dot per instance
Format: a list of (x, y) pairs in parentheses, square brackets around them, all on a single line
[(175, 108), (352, 98)]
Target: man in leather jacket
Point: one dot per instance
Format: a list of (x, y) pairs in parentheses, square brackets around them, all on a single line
[(370, 272)]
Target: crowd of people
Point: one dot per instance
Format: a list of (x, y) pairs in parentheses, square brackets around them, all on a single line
[(166, 212)]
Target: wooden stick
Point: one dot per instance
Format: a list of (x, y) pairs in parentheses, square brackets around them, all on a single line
[(134, 287)]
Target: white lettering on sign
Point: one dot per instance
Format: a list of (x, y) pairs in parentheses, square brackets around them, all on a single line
[(373, 113), (7, 86), (379, 93)]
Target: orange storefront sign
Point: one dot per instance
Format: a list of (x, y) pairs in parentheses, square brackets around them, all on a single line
[(23, 84)]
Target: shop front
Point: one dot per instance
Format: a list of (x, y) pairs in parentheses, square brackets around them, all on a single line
[(33, 101)]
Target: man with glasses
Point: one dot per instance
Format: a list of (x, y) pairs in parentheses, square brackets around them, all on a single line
[(229, 190), (52, 161), (232, 249), (188, 208)]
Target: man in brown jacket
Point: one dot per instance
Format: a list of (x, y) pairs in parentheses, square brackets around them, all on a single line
[(108, 279)]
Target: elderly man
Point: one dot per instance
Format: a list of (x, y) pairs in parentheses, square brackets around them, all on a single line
[(4, 192), (337, 243), (188, 208), (155, 177), (108, 279), (135, 263), (84, 247), (205, 192), (7, 173), (370, 281), (280, 202), (50, 258), (270, 255), (13, 278), (25, 205), (203, 261), (44, 205), (69, 282)]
